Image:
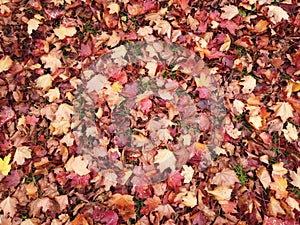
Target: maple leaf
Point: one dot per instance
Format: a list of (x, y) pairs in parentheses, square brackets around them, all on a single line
[(290, 133), (52, 94), (293, 203), (183, 4), (6, 115), (8, 205), (278, 169), (264, 176), (150, 204), (279, 186), (296, 177), (229, 206), (63, 32), (44, 82), (59, 127), (52, 60), (78, 165), (275, 208), (34, 23), (187, 173), (225, 47), (261, 26), (31, 120), (189, 200), (44, 203), (221, 193), (165, 159), (113, 8), (5, 63), (21, 154), (283, 109), (64, 112), (277, 14), (249, 84), (225, 177), (230, 11), (5, 167), (125, 205)]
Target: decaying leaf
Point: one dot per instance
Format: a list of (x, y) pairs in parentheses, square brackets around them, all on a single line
[(290, 133), (189, 200), (279, 186), (44, 82), (221, 193), (249, 84), (275, 208), (165, 159), (264, 176)]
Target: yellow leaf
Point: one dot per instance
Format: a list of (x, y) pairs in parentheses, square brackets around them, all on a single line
[(290, 133), (44, 82), (117, 87), (187, 173), (63, 32), (64, 112), (53, 94), (255, 121), (60, 127), (238, 106), (221, 193), (5, 167), (283, 109), (261, 26), (293, 203), (229, 12), (5, 63), (295, 177), (249, 84), (32, 24), (279, 186), (21, 154), (190, 200), (165, 159), (264, 176), (277, 14)]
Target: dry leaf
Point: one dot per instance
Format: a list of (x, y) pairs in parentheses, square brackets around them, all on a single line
[(59, 127), (226, 45), (187, 173), (261, 26), (64, 112), (5, 63), (278, 169), (284, 110), (277, 14), (293, 203), (249, 84), (221, 193), (44, 82), (51, 61), (52, 94), (114, 8), (290, 133), (165, 159), (63, 32), (295, 177), (21, 154), (225, 177), (238, 107), (230, 11), (5, 167), (279, 186), (275, 208), (264, 176), (8, 206), (189, 200), (33, 24), (78, 165), (255, 121)]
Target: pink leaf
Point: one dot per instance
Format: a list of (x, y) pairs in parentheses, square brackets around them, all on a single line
[(31, 120), (146, 105), (6, 115)]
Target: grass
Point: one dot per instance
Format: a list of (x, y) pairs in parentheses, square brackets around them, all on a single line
[(241, 174)]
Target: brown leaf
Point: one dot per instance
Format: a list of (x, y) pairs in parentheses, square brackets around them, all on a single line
[(225, 177), (264, 176), (279, 186), (8, 205), (5, 63), (284, 110)]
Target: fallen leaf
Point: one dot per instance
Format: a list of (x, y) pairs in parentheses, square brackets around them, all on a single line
[(279, 186), (225, 177), (221, 193), (290, 133), (187, 173), (226, 45), (189, 200), (165, 159), (284, 110), (78, 165), (255, 121), (52, 60), (6, 114), (114, 8), (264, 176), (278, 169), (229, 12), (64, 112), (63, 32), (293, 203), (261, 26), (79, 220), (44, 82), (295, 177), (275, 208), (33, 24), (229, 206), (22, 153), (183, 4), (5, 63), (8, 205), (277, 14), (249, 84), (60, 127), (5, 167), (52, 94), (125, 205)]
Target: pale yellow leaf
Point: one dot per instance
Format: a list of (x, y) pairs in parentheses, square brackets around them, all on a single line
[(63, 32), (52, 94), (5, 63), (144, 31), (226, 45), (27, 222), (290, 133), (44, 82), (264, 176), (229, 12), (190, 200), (8, 205), (293, 203), (5, 167), (78, 165), (225, 177), (279, 169), (255, 121), (22, 153), (279, 186), (295, 177), (165, 159), (51, 61), (60, 127), (275, 208), (249, 84), (277, 14), (114, 8), (238, 106), (32, 24), (68, 139), (221, 193), (64, 112), (58, 2), (284, 110), (187, 173)]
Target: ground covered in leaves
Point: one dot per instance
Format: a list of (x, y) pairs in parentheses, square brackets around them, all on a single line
[(65, 129)]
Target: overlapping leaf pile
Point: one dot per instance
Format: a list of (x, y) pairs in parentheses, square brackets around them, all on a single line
[(251, 48)]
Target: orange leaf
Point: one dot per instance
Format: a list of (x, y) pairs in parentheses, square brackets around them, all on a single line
[(80, 220), (279, 186), (183, 4), (261, 26)]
